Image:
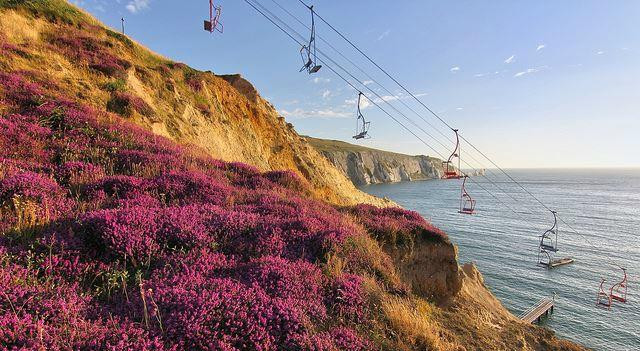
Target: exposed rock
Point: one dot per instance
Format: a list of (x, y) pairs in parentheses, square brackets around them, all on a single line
[(370, 166)]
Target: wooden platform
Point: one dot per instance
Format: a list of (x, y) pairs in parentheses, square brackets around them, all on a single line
[(535, 313), (557, 263), (561, 262)]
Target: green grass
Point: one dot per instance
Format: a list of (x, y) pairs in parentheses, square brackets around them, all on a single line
[(336, 146), (121, 38), (53, 10), (115, 86)]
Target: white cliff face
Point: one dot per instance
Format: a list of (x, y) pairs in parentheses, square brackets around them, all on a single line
[(369, 166)]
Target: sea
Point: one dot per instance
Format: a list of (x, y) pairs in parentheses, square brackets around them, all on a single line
[(599, 227)]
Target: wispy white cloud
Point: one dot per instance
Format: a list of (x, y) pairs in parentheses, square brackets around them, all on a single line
[(383, 98), (135, 6), (400, 96), (459, 108), (540, 47), (318, 80), (326, 94), (600, 52), (455, 69), (367, 82), (300, 113), (364, 102), (479, 75), (530, 70), (384, 34), (511, 59)]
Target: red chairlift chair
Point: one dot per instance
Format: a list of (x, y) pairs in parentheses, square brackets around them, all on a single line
[(604, 299), (618, 291), (450, 171), (213, 24)]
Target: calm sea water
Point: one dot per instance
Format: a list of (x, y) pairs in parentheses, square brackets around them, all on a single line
[(603, 205)]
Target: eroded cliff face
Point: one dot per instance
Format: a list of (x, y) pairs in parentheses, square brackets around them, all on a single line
[(430, 267), (223, 115), (370, 166)]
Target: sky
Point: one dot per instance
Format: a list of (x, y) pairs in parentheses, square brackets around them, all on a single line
[(532, 84)]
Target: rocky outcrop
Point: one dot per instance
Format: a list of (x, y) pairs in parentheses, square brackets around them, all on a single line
[(431, 268), (370, 166)]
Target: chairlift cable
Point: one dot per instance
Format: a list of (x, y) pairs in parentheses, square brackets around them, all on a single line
[(572, 229), (403, 103), (373, 92), (395, 119)]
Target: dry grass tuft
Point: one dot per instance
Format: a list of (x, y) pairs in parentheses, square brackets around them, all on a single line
[(413, 320), (19, 29)]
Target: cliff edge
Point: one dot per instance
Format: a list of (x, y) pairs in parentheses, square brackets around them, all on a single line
[(365, 165)]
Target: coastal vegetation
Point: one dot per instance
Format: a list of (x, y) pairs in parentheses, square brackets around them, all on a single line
[(127, 222)]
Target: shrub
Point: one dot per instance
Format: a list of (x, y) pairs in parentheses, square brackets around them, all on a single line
[(18, 91), (348, 297), (125, 104), (395, 225), (118, 85), (52, 315), (28, 199)]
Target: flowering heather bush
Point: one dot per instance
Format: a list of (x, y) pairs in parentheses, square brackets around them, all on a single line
[(140, 244), (22, 131), (125, 104), (51, 315), (203, 314), (396, 225), (78, 173), (28, 199), (18, 91), (348, 297), (347, 339), (299, 281), (90, 51), (194, 81), (116, 187), (191, 187)]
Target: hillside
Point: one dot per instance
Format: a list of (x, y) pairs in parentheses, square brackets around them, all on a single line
[(124, 225), (365, 165), (222, 115)]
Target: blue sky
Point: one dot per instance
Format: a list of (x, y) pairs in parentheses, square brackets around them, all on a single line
[(531, 83)]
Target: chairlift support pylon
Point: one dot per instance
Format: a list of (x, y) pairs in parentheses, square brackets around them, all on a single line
[(450, 171), (308, 52), (362, 128), (467, 203), (213, 24)]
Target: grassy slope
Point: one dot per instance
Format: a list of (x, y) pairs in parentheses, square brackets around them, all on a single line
[(85, 265), (107, 69), (336, 145)]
